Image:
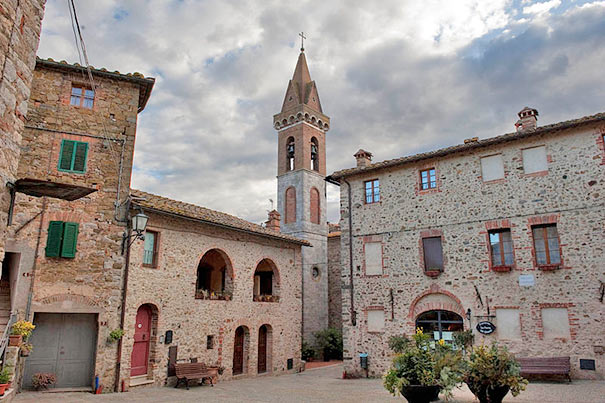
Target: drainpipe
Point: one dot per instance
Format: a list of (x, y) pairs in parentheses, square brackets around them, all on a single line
[(124, 294), (32, 278), (353, 315)]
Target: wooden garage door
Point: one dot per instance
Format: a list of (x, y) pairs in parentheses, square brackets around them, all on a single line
[(64, 344)]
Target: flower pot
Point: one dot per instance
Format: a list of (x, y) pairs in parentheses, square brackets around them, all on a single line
[(489, 393), (24, 353), (421, 393), (3, 388), (14, 340)]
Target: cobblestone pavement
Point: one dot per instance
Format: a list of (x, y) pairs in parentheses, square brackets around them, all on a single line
[(318, 385)]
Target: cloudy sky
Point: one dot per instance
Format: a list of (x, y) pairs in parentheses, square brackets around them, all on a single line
[(396, 77)]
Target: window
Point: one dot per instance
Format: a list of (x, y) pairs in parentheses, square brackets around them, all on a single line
[(375, 320), (508, 324), (546, 244), (290, 154), (314, 206), (314, 154), (315, 273), (214, 276), (209, 342), (501, 247), (428, 179), (373, 258), (290, 205), (62, 239), (150, 249), (372, 191), (555, 323), (534, 160), (266, 282), (72, 156), (492, 168), (441, 324), (433, 254), (82, 96)]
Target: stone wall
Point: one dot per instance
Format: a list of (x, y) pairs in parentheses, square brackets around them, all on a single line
[(92, 281), (20, 24), (334, 282), (462, 209), (170, 289)]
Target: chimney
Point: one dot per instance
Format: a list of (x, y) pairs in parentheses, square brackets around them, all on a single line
[(363, 157), (273, 221), (528, 119)]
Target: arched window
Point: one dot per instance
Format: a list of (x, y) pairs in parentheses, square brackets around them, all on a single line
[(266, 282), (290, 205), (440, 324), (314, 206), (214, 276), (314, 154), (290, 154)]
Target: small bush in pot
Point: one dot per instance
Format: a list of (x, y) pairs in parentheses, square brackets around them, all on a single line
[(42, 380), (5, 376), (422, 368), (491, 372)]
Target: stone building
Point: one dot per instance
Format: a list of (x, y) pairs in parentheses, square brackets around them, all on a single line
[(209, 286), (65, 241), (507, 230)]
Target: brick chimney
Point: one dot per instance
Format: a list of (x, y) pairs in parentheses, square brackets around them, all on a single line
[(528, 119), (363, 157), (273, 221)]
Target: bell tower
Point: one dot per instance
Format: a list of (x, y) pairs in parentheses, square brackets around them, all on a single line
[(301, 188)]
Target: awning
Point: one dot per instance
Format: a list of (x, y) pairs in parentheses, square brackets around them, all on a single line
[(39, 188)]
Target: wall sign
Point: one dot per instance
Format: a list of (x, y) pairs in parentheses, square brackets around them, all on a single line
[(526, 280), (485, 327)]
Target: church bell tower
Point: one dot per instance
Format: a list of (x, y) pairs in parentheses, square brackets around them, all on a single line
[(301, 188)]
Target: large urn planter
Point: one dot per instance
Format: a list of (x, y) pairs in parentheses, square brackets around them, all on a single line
[(489, 393), (420, 393)]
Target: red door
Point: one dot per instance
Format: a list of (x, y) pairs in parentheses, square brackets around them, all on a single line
[(140, 350), (238, 351), (262, 349)]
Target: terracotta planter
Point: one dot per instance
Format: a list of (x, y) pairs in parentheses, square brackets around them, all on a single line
[(489, 393), (420, 393), (3, 388), (14, 340)]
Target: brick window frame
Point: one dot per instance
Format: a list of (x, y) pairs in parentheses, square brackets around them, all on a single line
[(545, 220), (492, 181), (374, 188), (418, 173), (156, 249), (374, 308), (571, 317), (373, 239), (495, 226), (433, 233), (539, 173)]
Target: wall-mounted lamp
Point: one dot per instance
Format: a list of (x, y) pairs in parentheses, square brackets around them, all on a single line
[(139, 223), (468, 314)]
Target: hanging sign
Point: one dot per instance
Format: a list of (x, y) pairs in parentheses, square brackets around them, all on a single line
[(485, 327)]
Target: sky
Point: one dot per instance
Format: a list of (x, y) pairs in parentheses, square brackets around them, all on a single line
[(396, 77)]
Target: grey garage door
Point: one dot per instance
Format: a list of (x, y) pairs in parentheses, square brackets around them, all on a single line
[(64, 344)]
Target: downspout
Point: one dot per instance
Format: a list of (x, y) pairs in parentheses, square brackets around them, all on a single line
[(124, 294), (353, 315), (32, 278)]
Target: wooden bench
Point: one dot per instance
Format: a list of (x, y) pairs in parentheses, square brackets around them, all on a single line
[(186, 372), (545, 366)]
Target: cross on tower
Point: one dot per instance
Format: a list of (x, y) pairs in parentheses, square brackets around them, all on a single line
[(302, 41)]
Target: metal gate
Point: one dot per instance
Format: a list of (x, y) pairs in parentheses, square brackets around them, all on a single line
[(64, 344)]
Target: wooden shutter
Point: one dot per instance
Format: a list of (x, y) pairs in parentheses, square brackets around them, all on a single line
[(80, 157), (53, 241), (433, 253), (70, 239), (67, 150)]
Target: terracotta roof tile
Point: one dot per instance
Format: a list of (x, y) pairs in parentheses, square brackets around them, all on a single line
[(212, 217), (599, 117)]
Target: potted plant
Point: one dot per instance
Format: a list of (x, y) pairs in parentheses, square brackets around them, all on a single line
[(20, 330), (422, 368), (26, 348), (42, 380), (491, 372), (116, 335), (5, 376)]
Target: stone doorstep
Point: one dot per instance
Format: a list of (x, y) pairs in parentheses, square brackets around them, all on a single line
[(139, 381), (9, 394)]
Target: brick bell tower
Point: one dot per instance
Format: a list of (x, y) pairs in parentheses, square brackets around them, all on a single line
[(301, 189)]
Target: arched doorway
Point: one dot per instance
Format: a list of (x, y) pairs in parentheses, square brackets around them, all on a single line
[(440, 324), (139, 358), (240, 350), (265, 347)]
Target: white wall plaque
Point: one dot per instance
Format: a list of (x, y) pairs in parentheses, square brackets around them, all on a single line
[(526, 280)]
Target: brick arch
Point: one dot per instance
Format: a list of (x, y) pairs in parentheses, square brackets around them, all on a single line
[(435, 299), (225, 256), (314, 205), (290, 205)]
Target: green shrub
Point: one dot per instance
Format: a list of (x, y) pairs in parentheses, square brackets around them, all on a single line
[(329, 342), (464, 339), (398, 344), (307, 351), (116, 334), (5, 376)]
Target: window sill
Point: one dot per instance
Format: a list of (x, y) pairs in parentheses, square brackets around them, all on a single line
[(549, 267), (432, 273), (265, 298), (502, 269), (213, 297), (150, 266)]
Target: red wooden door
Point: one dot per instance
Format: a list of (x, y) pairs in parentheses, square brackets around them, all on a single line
[(140, 350), (262, 349), (238, 351)]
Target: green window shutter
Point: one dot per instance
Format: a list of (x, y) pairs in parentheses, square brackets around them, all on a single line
[(66, 154), (70, 239), (80, 157), (53, 241)]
